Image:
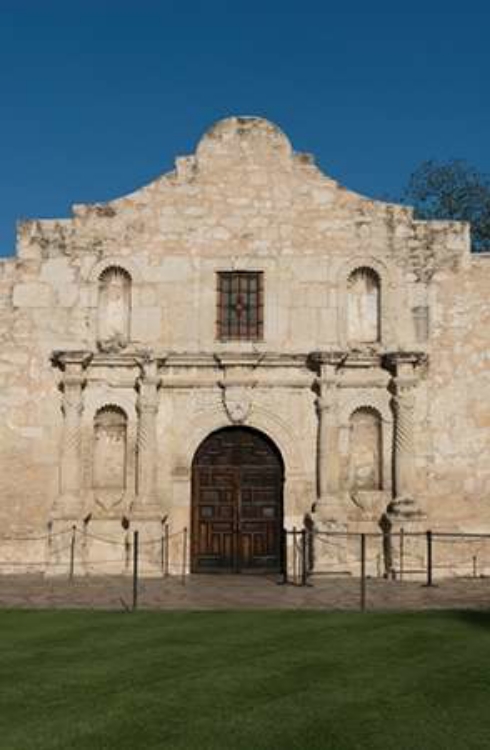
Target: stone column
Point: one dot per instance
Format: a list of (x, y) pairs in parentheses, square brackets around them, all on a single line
[(327, 473), (404, 385), (147, 409), (327, 435), (404, 407), (69, 502)]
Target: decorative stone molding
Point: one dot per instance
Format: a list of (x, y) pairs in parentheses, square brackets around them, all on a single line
[(265, 420), (361, 398), (237, 401), (116, 261), (237, 384)]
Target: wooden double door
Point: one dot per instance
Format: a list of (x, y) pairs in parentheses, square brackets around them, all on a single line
[(237, 508)]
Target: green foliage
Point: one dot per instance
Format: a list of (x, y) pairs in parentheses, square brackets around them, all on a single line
[(244, 680), (452, 190)]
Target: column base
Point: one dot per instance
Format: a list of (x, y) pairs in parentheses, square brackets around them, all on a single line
[(68, 507), (330, 510), (404, 509), (404, 543)]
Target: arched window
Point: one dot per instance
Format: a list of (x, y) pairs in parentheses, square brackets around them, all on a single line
[(366, 450), (363, 307), (114, 309), (110, 437)]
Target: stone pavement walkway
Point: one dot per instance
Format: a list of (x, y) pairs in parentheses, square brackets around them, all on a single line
[(240, 592)]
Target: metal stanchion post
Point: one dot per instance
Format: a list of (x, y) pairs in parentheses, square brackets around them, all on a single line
[(363, 572), (402, 552), (72, 552), (166, 549), (184, 556), (304, 567), (295, 556), (429, 558), (135, 570), (284, 556)]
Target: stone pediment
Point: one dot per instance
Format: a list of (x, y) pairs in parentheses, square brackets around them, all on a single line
[(246, 192), (236, 149)]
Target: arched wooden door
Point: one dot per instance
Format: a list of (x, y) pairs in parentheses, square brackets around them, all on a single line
[(237, 483)]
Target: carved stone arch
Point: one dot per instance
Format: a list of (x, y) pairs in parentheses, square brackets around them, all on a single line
[(99, 404), (379, 402), (387, 287), (117, 261), (261, 420)]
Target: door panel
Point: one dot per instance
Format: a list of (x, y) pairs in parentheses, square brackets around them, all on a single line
[(237, 503)]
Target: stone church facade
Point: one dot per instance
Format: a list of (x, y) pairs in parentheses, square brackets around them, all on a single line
[(240, 345)]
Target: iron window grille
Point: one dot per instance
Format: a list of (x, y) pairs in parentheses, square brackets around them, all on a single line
[(240, 306)]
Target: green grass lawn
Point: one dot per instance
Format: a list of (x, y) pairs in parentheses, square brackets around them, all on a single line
[(251, 680)]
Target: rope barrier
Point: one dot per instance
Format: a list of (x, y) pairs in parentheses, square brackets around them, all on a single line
[(44, 538), (466, 540), (158, 540), (105, 540), (113, 540), (119, 561)]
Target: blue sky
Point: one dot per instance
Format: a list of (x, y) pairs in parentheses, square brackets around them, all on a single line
[(98, 98)]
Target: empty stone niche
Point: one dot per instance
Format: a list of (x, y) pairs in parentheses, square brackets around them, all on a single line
[(366, 454), (363, 306), (110, 451), (114, 309)]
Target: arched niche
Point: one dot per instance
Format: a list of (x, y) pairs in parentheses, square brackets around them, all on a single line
[(378, 271), (110, 448), (365, 450), (114, 308), (363, 306)]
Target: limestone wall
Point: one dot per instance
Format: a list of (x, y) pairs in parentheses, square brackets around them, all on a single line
[(458, 393), (246, 201)]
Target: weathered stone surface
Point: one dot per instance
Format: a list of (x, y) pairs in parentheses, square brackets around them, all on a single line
[(246, 202)]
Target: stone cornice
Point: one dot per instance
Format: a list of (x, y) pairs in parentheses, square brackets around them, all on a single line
[(393, 360), (78, 358), (244, 363)]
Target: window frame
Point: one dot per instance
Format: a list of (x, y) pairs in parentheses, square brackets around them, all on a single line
[(231, 325)]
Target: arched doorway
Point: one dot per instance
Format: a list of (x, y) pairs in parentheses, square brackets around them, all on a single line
[(237, 503)]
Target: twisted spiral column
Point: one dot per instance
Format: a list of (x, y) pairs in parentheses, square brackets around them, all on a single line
[(147, 409), (327, 435), (72, 408), (404, 406)]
